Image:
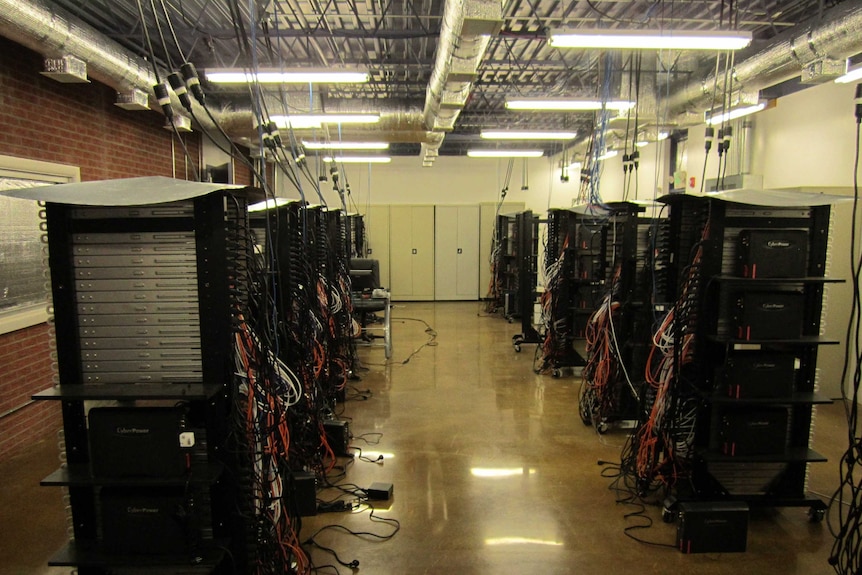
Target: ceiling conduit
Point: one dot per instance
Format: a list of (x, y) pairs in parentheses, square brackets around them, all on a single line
[(465, 31), (836, 37)]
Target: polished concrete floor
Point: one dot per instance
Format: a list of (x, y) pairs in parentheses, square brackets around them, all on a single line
[(493, 473)]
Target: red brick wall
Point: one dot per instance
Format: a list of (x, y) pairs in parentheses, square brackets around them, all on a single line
[(76, 124), (26, 369)]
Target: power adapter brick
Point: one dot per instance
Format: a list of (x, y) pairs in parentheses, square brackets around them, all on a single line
[(379, 491)]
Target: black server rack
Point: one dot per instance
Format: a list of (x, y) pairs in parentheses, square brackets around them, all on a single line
[(526, 244), (728, 433), (146, 301)]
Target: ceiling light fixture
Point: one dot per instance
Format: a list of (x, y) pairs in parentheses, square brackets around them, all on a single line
[(717, 116), (358, 159), (850, 76), (608, 154), (310, 76), (505, 153), (345, 145), (267, 204), (574, 167), (566, 104), (309, 121), (649, 39), (526, 135)]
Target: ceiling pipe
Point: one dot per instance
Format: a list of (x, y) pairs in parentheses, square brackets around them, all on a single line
[(465, 31), (838, 36)]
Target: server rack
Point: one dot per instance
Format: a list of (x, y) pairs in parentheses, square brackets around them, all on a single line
[(619, 322), (146, 300), (734, 436), (526, 242)]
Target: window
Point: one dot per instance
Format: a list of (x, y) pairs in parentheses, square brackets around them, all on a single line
[(22, 279)]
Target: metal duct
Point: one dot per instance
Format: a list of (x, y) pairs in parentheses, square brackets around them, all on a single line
[(837, 37), (465, 32), (52, 31)]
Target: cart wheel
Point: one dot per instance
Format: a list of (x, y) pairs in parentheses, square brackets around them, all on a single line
[(667, 515), (816, 514), (602, 427), (557, 373), (510, 320), (517, 347)]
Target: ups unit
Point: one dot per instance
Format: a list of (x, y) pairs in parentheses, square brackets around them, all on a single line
[(712, 527), (781, 253), (754, 431), (769, 315), (155, 520), (759, 375)]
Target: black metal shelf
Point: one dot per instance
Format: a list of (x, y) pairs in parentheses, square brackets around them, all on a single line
[(210, 554), (804, 340), (189, 391), (791, 455), (795, 399), (801, 280), (79, 475)]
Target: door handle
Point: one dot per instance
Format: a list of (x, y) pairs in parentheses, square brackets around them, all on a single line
[(460, 250), (414, 251)]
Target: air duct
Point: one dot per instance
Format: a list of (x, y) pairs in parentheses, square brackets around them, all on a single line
[(465, 31), (53, 32), (836, 37)]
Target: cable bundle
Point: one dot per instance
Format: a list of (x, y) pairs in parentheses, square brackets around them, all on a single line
[(661, 446)]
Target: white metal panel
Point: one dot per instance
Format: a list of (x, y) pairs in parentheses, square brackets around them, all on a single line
[(445, 252), (467, 253), (400, 251), (376, 222), (423, 258)]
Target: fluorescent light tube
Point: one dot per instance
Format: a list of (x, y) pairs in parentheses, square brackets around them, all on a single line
[(608, 154), (732, 114), (566, 104), (526, 135), (222, 76), (358, 159), (850, 76), (345, 145), (306, 121), (574, 167), (505, 153), (649, 39), (267, 204)]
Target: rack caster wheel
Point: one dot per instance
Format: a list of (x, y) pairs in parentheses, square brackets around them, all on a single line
[(510, 320), (517, 347), (602, 427), (667, 515), (816, 514), (557, 374)]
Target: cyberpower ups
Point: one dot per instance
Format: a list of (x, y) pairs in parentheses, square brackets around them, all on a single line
[(769, 315), (754, 431), (137, 442), (759, 375), (772, 253), (149, 520), (712, 527)]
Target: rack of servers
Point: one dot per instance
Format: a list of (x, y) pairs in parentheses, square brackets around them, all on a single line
[(727, 413), (184, 332)]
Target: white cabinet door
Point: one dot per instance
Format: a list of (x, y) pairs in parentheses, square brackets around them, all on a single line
[(457, 253), (411, 252), (376, 222)]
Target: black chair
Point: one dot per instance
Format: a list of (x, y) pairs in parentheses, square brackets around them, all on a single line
[(368, 297)]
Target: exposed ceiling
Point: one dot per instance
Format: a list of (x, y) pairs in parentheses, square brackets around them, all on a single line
[(397, 41)]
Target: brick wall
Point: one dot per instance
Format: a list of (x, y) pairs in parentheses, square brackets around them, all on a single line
[(76, 124), (24, 355)]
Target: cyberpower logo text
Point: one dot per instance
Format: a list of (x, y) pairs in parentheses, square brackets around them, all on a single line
[(778, 244), (141, 510), (132, 430), (771, 306), (764, 365)]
